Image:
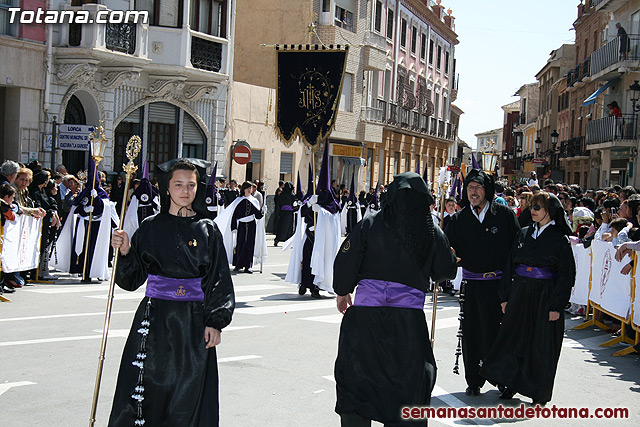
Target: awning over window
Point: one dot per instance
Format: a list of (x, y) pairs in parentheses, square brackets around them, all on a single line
[(355, 161), (592, 98)]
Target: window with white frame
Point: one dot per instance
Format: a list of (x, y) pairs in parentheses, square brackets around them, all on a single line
[(344, 12), (446, 62), (403, 34), (423, 46), (208, 16), (439, 57), (345, 96), (431, 47), (6, 28), (414, 40), (377, 23), (167, 13), (390, 24)]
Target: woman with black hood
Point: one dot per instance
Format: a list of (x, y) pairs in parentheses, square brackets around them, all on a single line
[(285, 226), (535, 289), (384, 360)]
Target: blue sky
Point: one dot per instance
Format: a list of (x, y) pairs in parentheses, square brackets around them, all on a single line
[(503, 44)]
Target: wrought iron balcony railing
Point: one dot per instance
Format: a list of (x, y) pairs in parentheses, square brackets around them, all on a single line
[(612, 128), (206, 54), (612, 53)]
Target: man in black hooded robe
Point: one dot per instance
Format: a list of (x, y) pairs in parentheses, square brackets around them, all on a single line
[(481, 234), (385, 361)]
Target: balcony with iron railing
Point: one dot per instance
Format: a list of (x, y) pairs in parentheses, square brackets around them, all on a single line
[(397, 116), (608, 5), (572, 148), (609, 57), (128, 44), (612, 130)]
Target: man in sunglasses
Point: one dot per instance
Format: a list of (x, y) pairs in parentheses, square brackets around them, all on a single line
[(481, 235)]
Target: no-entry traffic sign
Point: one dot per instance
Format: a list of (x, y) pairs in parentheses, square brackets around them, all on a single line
[(241, 154)]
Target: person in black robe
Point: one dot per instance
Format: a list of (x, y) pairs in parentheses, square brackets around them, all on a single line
[(481, 235), (384, 360), (168, 373), (285, 226), (244, 221), (535, 289), (213, 199)]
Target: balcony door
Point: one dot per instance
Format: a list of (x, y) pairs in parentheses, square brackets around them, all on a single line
[(162, 144)]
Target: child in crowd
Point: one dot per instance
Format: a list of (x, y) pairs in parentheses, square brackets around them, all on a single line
[(619, 232), (8, 208)]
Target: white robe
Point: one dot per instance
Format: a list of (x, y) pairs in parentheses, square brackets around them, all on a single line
[(64, 245), (343, 217), (131, 222), (223, 221)]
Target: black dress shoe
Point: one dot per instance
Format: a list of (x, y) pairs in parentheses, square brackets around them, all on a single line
[(8, 290), (501, 388), (302, 290), (472, 390), (508, 393), (246, 270), (236, 269), (315, 293)]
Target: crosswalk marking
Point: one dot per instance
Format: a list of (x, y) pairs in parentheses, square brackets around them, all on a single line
[(287, 308), (68, 289), (329, 318), (7, 386), (59, 316), (253, 288), (238, 358), (113, 333)]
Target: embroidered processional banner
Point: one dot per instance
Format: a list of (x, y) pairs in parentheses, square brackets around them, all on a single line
[(308, 92)]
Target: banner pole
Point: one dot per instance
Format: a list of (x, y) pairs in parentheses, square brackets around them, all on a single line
[(2, 297), (88, 236), (133, 148)]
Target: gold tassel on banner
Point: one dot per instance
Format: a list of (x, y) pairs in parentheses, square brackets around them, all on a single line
[(133, 149)]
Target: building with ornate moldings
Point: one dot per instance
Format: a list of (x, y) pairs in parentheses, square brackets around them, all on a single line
[(165, 80)]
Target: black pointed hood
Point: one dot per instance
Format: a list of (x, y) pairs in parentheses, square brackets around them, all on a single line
[(557, 214)]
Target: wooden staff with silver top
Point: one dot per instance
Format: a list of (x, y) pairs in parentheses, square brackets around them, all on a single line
[(133, 149)]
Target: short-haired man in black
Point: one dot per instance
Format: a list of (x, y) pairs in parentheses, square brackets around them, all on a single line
[(481, 234)]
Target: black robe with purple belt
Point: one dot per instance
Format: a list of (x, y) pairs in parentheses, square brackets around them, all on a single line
[(525, 354), (167, 377), (385, 361)]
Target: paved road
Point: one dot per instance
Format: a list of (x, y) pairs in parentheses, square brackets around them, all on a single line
[(276, 359)]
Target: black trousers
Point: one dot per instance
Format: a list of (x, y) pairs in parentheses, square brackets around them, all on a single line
[(482, 317)]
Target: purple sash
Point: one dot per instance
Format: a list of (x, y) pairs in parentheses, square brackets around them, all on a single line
[(286, 208), (379, 293), (543, 273), (489, 275), (171, 289)]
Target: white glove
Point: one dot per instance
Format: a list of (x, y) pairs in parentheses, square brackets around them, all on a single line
[(316, 207), (94, 193), (313, 199), (88, 209)]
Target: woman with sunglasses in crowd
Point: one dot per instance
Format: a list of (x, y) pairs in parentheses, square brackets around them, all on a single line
[(535, 289)]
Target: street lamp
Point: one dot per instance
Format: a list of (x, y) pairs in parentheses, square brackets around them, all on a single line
[(554, 139), (635, 88), (490, 158), (538, 142)]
